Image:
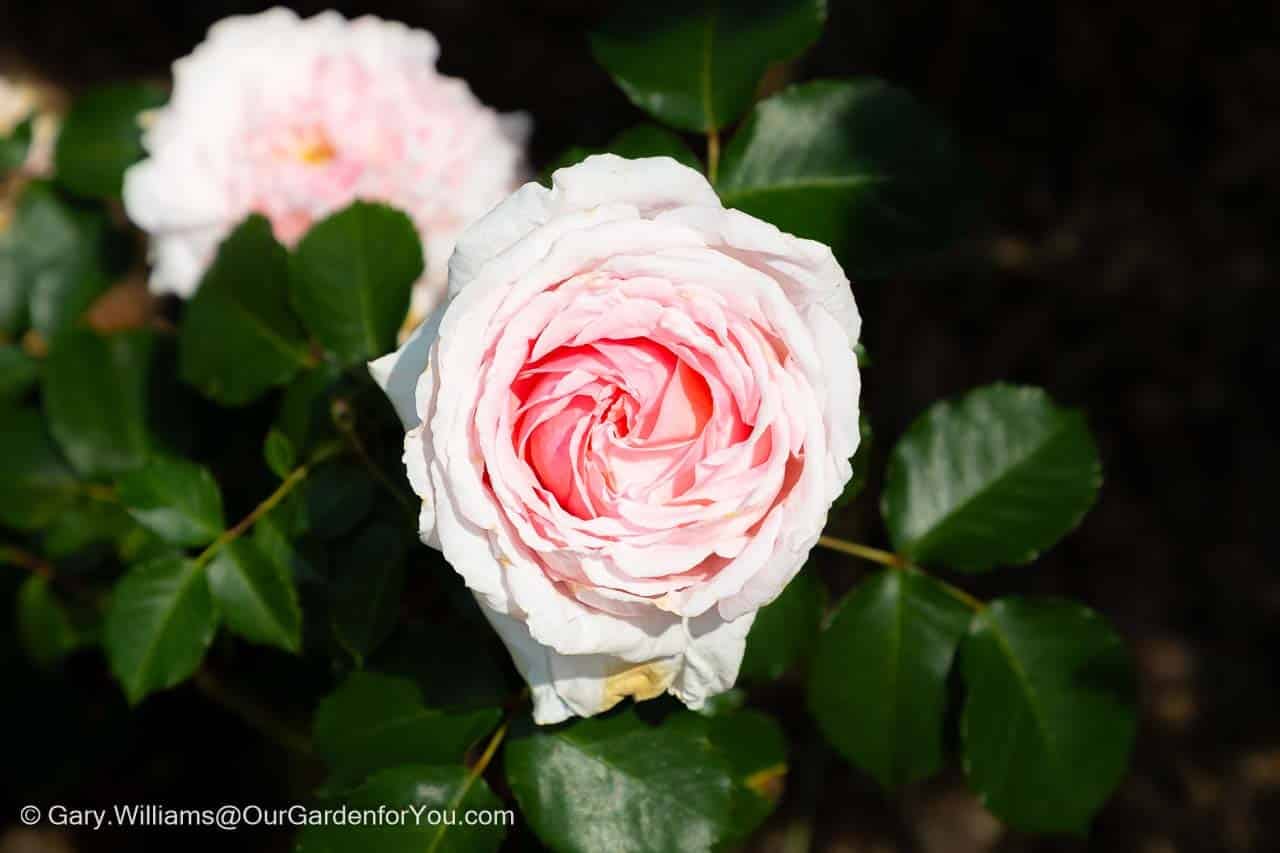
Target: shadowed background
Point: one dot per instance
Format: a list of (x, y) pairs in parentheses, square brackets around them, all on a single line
[(1131, 160)]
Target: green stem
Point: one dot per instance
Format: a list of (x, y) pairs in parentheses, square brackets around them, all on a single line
[(273, 500), (896, 561), (866, 552)]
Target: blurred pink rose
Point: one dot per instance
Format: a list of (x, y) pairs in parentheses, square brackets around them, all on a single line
[(295, 119), (627, 425)]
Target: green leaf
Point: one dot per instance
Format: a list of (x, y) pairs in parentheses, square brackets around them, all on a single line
[(101, 137), (52, 262), (858, 165), (785, 631), (365, 597), (15, 145), (160, 622), (239, 336), (878, 687), (45, 627), (696, 64), (175, 499), (338, 496), (991, 479), (95, 396), (615, 783), (88, 522), (756, 750), (421, 789), (19, 372), (1049, 719), (280, 454), (374, 721), (256, 596), (351, 277), (37, 484)]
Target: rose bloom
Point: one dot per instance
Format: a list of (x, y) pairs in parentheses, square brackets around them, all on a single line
[(627, 425), (295, 119)]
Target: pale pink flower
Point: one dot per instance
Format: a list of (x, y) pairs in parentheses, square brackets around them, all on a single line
[(295, 119), (627, 425)]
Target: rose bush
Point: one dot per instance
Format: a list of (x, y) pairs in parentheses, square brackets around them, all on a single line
[(627, 425), (294, 119)]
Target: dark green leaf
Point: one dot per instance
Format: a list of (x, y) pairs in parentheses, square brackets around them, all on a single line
[(878, 683), (615, 783), (365, 597), (239, 336), (88, 522), (374, 721), (338, 497), (256, 596), (696, 64), (52, 263), (37, 484), (991, 479), (15, 145), (95, 396), (177, 500), (280, 454), (45, 626), (784, 631), (756, 750), (101, 137), (351, 277), (860, 166), (18, 373), (420, 788), (1049, 720), (160, 621)]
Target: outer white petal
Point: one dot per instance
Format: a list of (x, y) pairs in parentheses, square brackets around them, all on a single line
[(584, 685), (495, 232), (397, 373)]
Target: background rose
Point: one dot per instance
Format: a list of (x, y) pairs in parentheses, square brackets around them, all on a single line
[(627, 426), (296, 118)]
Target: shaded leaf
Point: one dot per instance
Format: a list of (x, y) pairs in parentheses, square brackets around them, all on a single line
[(991, 479), (101, 137), (177, 500), (878, 687), (421, 789), (239, 336), (37, 484), (616, 783), (351, 277), (374, 721), (696, 64), (256, 595), (1049, 719), (365, 596), (858, 165), (45, 626), (160, 622), (95, 396), (785, 630)]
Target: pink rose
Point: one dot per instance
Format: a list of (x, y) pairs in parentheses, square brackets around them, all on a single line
[(627, 425), (295, 119)]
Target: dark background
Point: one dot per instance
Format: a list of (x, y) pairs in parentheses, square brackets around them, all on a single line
[(1131, 157)]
